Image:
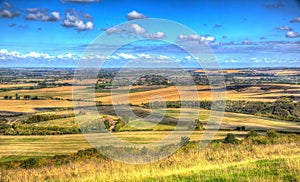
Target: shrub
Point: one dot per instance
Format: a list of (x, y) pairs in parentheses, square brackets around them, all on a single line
[(260, 140), (272, 134), (252, 133), (184, 140), (230, 138), (33, 162)]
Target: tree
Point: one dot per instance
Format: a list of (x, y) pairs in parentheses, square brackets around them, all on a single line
[(230, 138), (27, 97), (199, 125)]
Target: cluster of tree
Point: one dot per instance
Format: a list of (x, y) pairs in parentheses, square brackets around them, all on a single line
[(103, 125), (3, 125), (23, 129), (46, 117), (25, 97), (284, 108)]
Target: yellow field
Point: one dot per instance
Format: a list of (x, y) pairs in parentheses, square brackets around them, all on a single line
[(253, 93), (31, 105), (171, 94), (17, 85)]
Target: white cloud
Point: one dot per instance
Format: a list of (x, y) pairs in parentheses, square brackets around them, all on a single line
[(196, 37), (77, 23), (12, 55), (246, 42), (187, 58), (112, 30), (5, 13), (163, 57), (145, 56), (55, 15), (292, 34), (231, 61), (40, 14), (126, 56), (135, 15), (284, 28), (295, 20), (157, 35), (137, 28)]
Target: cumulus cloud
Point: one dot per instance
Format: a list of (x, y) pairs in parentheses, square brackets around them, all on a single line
[(295, 20), (246, 42), (39, 14), (72, 20), (80, 1), (144, 56), (8, 11), (87, 17), (157, 35), (284, 28), (129, 29), (126, 56), (292, 34), (113, 30), (231, 61), (133, 15), (137, 28), (187, 58), (15, 55), (196, 37)]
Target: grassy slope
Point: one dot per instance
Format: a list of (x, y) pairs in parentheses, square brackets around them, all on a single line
[(217, 162)]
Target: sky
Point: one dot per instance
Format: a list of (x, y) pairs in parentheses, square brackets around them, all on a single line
[(256, 33)]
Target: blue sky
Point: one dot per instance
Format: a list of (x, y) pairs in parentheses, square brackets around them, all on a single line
[(241, 33)]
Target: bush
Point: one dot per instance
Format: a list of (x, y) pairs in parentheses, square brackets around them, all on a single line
[(230, 138), (184, 140), (260, 140), (272, 134), (252, 133), (33, 162), (119, 125)]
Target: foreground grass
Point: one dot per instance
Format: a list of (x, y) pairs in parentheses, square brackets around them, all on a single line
[(14, 146), (247, 161)]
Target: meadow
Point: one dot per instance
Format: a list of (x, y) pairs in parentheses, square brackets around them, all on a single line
[(36, 143), (245, 161)]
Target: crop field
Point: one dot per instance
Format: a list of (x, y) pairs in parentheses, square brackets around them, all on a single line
[(47, 128), (65, 144), (17, 85), (233, 120), (253, 93), (32, 105)]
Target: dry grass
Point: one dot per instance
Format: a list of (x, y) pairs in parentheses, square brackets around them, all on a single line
[(280, 162), (17, 85), (66, 144), (31, 105)]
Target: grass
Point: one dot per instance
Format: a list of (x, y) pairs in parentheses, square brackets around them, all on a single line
[(66, 144), (230, 121), (217, 162)]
